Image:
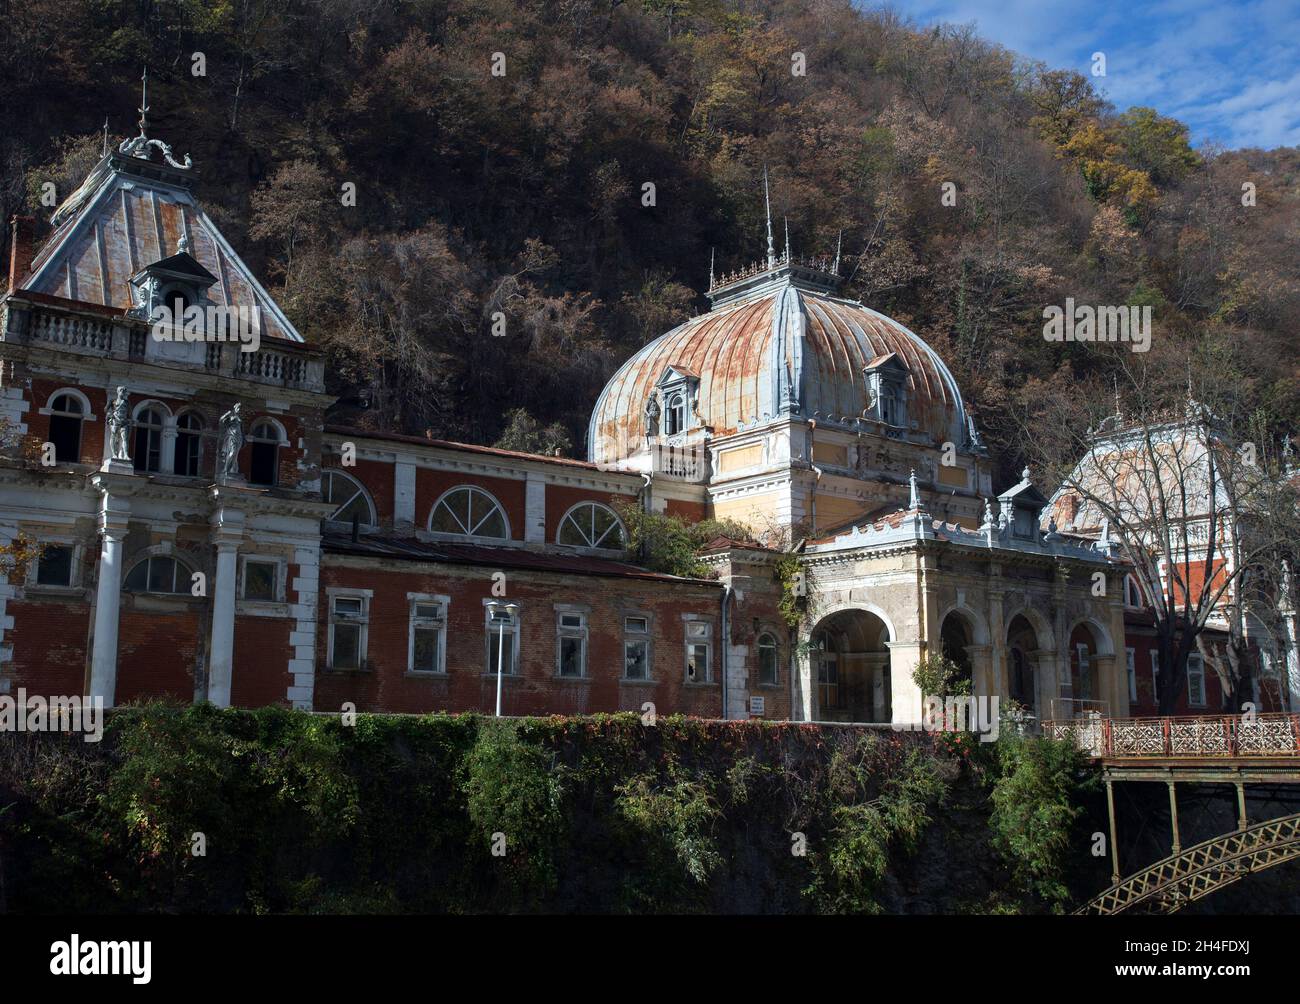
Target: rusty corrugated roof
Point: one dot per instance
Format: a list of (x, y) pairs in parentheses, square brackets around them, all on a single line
[(126, 215)]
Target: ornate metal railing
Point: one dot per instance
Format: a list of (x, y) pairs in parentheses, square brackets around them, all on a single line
[(1272, 734)]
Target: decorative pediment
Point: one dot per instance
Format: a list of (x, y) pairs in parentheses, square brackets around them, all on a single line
[(889, 363), (673, 374)]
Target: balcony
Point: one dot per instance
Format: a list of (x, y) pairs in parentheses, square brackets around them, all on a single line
[(291, 365)]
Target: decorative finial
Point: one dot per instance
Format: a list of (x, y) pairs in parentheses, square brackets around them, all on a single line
[(787, 237), (988, 512), (839, 244), (183, 243), (1024, 475), (104, 152), (712, 252), (138, 146), (914, 502), (144, 101), (767, 202)]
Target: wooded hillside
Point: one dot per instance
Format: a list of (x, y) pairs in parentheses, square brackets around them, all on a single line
[(523, 193)]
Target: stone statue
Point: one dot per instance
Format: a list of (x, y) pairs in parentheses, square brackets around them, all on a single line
[(119, 426), (231, 440), (652, 418)]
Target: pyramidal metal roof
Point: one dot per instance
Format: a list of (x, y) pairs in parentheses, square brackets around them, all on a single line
[(132, 212)]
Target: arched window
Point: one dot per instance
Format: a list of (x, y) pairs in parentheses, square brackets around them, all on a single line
[(768, 667), (147, 456), (189, 444), (349, 497), (675, 420), (469, 512), (158, 574), (66, 415), (177, 301), (264, 456), (590, 524)]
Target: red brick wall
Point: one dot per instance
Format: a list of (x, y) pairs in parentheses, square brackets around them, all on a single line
[(469, 687), (49, 643), (692, 512), (262, 653), (156, 652)]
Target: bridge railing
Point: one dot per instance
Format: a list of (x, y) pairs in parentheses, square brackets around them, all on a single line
[(1271, 734)]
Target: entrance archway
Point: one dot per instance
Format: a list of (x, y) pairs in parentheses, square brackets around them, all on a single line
[(849, 658)]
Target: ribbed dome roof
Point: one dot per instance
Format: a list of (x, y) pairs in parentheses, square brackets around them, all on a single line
[(789, 348)]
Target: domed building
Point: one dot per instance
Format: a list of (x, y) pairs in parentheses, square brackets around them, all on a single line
[(788, 405)]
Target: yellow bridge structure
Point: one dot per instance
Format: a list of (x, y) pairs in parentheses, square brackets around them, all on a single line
[(1239, 750)]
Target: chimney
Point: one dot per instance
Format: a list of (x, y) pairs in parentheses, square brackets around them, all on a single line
[(20, 249)]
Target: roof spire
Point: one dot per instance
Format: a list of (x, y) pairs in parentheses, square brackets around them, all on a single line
[(767, 202), (787, 237), (914, 499), (104, 152), (138, 146), (144, 101), (712, 252), (839, 244)]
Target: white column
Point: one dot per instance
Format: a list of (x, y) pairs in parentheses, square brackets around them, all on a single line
[(404, 495), (534, 509), (228, 528), (167, 456), (108, 598), (905, 695)]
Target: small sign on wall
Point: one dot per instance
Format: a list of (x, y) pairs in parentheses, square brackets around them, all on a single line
[(757, 705)]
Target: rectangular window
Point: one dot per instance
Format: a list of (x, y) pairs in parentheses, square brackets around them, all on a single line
[(502, 642), (260, 580), (1195, 681), (347, 637), (426, 645), (54, 567), (571, 644), (636, 648), (698, 664), (1131, 656), (768, 670), (828, 680)]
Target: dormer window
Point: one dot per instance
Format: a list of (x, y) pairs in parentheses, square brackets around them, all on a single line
[(176, 283), (886, 378), (677, 387)]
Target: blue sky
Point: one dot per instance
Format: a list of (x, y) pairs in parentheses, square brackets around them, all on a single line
[(1230, 69)]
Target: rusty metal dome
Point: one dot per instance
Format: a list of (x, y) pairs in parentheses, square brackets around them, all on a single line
[(779, 343)]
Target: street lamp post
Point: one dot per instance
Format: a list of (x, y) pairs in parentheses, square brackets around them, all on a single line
[(510, 609)]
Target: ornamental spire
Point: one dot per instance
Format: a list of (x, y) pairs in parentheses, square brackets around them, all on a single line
[(139, 146)]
